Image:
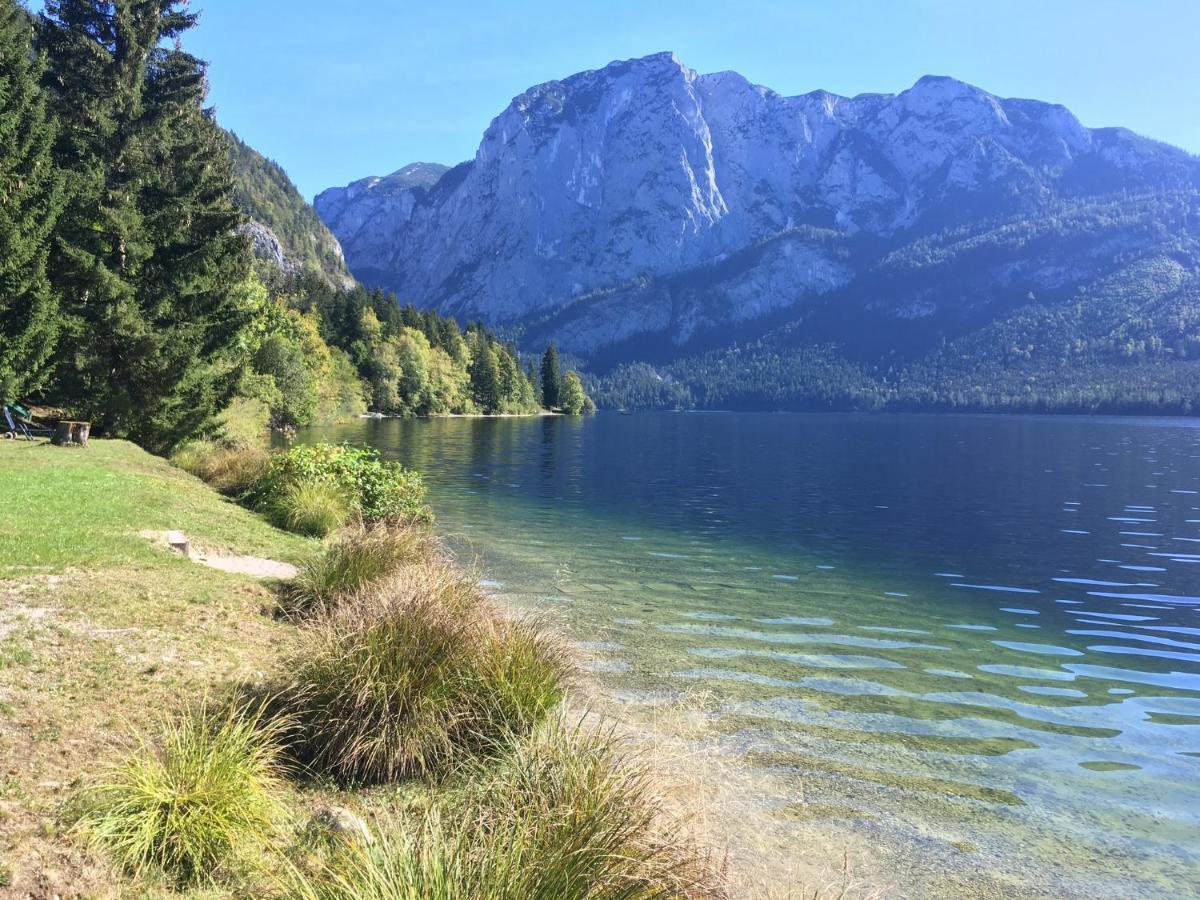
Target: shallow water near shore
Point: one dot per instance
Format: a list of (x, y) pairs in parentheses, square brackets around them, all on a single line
[(969, 645)]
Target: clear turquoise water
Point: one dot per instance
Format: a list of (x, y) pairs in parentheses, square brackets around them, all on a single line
[(971, 644)]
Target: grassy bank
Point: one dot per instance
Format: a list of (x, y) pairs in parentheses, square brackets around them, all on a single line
[(103, 632), (158, 715)]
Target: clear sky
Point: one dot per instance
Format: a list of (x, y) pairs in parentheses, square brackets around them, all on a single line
[(339, 89)]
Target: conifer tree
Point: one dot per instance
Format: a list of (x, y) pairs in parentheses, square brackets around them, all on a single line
[(485, 375), (535, 383), (149, 263), (31, 198), (551, 378)]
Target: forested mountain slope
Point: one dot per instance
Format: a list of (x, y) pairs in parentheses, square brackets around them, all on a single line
[(283, 228)]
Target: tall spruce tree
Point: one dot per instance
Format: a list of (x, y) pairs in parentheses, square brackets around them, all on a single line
[(31, 198), (148, 262), (485, 375), (535, 383), (551, 378)]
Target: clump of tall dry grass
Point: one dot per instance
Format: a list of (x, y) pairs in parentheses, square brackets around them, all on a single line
[(414, 672), (357, 559), (567, 813), (232, 470)]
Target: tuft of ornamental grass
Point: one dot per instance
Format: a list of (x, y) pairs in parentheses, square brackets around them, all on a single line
[(312, 508), (567, 814), (522, 670), (359, 558), (232, 470), (410, 675), (209, 797)]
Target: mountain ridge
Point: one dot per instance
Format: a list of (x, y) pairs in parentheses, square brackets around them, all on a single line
[(284, 230), (643, 211)]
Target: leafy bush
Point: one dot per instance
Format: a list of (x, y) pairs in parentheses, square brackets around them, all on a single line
[(314, 508), (356, 560), (232, 470), (567, 815), (209, 796), (413, 673), (377, 488), (245, 422)]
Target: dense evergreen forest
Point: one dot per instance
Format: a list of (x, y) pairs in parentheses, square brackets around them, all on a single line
[(129, 293)]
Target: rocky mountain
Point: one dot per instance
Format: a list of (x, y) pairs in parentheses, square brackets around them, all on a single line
[(284, 230), (646, 212)]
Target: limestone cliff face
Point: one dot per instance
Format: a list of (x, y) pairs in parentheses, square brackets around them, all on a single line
[(644, 198)]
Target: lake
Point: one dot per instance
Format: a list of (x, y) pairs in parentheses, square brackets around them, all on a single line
[(965, 649)]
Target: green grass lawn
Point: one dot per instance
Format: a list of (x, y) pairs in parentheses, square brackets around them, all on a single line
[(70, 507), (104, 632)]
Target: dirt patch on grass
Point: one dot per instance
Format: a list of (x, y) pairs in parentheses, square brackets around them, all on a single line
[(87, 661), (234, 563)]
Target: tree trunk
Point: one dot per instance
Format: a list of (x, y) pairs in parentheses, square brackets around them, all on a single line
[(68, 433)]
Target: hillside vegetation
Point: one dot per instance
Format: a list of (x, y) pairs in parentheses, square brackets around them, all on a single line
[(1117, 331), (131, 294), (265, 193)]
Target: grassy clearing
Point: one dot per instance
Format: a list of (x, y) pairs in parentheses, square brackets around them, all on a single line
[(67, 507), (412, 673), (103, 632)]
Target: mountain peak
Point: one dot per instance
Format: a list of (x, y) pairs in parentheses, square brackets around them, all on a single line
[(943, 82), (642, 171), (417, 174), (932, 91), (661, 58)]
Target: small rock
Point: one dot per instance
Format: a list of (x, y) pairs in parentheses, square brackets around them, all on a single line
[(178, 541), (339, 821)]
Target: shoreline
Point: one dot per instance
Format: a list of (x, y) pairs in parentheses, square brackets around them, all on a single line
[(104, 640), (531, 415)]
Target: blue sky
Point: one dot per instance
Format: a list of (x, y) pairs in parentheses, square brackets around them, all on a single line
[(338, 90)]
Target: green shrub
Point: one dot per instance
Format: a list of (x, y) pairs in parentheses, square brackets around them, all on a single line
[(567, 815), (315, 508), (377, 488), (412, 674), (232, 470), (355, 561), (245, 422), (210, 796)]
